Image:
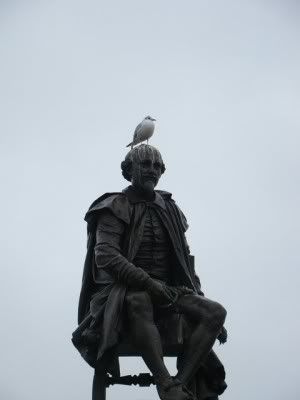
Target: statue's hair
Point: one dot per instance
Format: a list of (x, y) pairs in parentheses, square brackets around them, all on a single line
[(139, 153)]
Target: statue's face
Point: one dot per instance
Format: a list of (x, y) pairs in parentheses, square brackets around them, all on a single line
[(146, 171)]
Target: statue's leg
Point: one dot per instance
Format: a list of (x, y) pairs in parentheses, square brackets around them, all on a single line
[(144, 332), (147, 340), (99, 386), (209, 317)]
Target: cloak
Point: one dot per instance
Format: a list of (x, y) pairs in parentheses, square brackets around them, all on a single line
[(101, 302)]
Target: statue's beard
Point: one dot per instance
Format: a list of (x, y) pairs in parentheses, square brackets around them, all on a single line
[(149, 186), (145, 185)]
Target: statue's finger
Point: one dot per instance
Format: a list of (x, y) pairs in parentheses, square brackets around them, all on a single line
[(171, 293)]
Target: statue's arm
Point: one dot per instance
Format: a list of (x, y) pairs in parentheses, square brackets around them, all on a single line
[(199, 291), (192, 265), (223, 334), (108, 252)]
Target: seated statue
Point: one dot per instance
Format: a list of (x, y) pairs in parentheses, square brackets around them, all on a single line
[(138, 270)]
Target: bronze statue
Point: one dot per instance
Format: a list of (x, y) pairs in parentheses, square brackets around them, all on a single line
[(139, 278)]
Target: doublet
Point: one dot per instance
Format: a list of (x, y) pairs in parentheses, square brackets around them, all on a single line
[(154, 253)]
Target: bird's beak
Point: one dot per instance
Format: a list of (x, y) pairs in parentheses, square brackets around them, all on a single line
[(153, 119)]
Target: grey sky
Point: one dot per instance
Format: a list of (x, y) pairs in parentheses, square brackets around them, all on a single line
[(222, 79)]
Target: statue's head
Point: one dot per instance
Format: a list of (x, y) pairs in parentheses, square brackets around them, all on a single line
[(143, 167)]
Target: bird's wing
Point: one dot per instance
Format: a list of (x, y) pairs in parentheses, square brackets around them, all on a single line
[(137, 131)]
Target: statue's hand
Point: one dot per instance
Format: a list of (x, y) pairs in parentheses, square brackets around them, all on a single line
[(182, 290), (159, 292)]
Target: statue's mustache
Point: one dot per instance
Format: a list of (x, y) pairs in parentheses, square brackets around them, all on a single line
[(150, 176)]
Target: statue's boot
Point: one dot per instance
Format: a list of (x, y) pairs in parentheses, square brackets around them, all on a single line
[(172, 389)]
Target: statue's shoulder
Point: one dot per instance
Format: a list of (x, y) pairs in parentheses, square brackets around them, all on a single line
[(174, 208), (167, 196), (116, 202)]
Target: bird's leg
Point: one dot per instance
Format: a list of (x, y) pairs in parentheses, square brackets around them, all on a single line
[(147, 141)]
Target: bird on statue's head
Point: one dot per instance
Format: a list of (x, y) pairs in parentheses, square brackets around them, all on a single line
[(143, 131)]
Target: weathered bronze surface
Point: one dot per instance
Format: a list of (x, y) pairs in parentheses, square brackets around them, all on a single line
[(140, 294)]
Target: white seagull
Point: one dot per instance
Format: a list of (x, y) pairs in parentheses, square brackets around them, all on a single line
[(143, 131)]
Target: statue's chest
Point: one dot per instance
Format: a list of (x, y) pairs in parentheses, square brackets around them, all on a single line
[(154, 252)]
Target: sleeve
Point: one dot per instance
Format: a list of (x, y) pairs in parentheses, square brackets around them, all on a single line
[(195, 276), (108, 253), (199, 291), (184, 226)]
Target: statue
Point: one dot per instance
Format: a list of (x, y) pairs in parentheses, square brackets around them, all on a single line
[(139, 270)]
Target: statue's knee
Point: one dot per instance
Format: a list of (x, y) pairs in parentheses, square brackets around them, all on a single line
[(138, 305), (218, 315), (221, 313)]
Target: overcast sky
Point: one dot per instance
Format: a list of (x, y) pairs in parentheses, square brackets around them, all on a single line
[(222, 79)]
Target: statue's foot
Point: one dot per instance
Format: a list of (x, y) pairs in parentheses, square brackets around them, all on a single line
[(172, 389)]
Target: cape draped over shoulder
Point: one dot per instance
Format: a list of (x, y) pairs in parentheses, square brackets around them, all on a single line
[(106, 305)]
